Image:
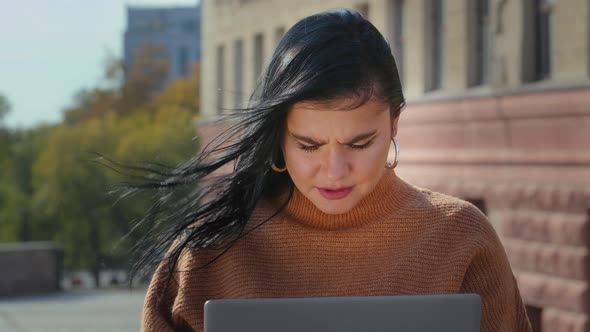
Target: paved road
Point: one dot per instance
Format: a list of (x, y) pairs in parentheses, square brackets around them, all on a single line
[(112, 311)]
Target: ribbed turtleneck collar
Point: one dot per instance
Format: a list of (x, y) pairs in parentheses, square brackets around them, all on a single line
[(389, 195)]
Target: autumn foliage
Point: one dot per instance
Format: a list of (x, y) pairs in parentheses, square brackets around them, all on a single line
[(53, 185)]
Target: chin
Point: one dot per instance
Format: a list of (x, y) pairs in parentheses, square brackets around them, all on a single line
[(333, 207)]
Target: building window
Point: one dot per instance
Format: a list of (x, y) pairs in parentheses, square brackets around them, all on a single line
[(537, 47), (542, 29), (258, 56), (478, 35), (434, 39), (183, 61), (188, 26), (535, 317), (220, 77), (363, 9), (238, 72), (157, 25), (398, 7), (279, 33), (480, 204)]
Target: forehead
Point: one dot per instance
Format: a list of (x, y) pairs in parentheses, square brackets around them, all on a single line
[(337, 116)]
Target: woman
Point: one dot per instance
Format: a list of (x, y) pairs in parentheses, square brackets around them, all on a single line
[(313, 206)]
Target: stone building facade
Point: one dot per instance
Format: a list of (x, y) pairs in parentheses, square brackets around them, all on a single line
[(498, 113)]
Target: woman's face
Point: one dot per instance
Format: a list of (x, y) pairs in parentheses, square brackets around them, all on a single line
[(336, 156)]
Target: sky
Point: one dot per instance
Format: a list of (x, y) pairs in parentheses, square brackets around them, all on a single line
[(50, 49)]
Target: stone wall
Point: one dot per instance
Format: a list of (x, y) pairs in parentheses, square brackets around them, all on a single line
[(29, 268), (525, 158)]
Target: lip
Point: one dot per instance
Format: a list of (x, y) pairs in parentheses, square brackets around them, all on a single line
[(334, 193)]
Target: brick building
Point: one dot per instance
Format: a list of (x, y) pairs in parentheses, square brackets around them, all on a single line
[(498, 114)]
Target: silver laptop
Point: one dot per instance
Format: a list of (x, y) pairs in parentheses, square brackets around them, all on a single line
[(415, 313)]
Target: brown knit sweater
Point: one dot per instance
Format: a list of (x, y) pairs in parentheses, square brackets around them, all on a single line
[(400, 239)]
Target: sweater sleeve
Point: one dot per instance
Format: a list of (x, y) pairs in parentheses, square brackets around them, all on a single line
[(164, 308), (489, 275), (156, 306)]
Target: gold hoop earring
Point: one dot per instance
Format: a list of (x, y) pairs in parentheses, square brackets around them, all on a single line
[(276, 169), (394, 164)]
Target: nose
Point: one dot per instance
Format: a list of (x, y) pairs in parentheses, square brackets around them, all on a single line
[(337, 165)]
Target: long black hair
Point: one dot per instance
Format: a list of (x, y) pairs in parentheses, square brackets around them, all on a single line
[(325, 56)]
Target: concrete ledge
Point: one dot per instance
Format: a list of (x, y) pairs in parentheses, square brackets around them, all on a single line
[(30, 268)]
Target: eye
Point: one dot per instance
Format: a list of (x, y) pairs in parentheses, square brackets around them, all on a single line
[(361, 146), (308, 148)]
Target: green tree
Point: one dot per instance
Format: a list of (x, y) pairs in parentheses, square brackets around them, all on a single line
[(72, 190), (52, 187), (143, 80), (121, 123), (4, 106), (17, 215), (6, 167)]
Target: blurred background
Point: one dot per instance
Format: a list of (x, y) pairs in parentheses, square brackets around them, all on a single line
[(498, 96)]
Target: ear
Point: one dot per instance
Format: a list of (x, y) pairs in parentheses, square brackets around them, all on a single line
[(394, 123)]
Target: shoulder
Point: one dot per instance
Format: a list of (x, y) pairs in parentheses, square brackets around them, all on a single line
[(451, 214), (264, 208), (443, 204), (463, 229)]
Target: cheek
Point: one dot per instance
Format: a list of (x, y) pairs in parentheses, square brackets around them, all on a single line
[(302, 165), (298, 162), (370, 163)]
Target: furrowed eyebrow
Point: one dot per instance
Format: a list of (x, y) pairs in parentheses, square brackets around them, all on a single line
[(362, 137), (356, 139), (307, 140)]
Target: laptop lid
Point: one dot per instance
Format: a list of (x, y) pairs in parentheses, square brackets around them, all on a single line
[(415, 313)]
